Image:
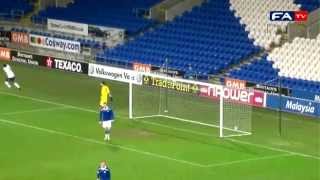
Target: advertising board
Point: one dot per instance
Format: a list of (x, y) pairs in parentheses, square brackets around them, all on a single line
[(5, 54), (54, 43), (113, 73), (68, 27), (20, 38), (295, 105)]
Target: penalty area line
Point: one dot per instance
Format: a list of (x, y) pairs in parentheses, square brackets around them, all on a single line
[(249, 160), (14, 123), (34, 110)]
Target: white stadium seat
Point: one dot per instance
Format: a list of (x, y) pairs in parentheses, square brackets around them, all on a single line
[(298, 59), (255, 15)]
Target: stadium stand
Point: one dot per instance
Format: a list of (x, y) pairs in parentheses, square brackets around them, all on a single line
[(209, 39), (254, 14), (308, 5), (15, 9), (114, 13), (297, 64)]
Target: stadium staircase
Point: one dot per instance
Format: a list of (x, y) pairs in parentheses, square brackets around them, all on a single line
[(26, 19)]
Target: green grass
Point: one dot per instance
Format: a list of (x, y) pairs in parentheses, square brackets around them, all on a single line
[(49, 131)]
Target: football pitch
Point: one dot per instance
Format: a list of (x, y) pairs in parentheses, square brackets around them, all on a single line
[(49, 130)]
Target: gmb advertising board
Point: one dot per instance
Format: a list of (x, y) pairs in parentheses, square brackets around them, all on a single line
[(20, 38), (54, 43), (295, 105)]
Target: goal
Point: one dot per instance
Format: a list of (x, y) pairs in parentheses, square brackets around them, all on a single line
[(176, 102)]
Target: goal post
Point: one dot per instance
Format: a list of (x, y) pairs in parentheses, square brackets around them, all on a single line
[(175, 102)]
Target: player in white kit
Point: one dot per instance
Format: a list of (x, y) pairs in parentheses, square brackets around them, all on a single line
[(10, 77)]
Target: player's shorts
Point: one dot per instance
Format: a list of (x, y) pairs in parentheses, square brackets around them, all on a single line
[(11, 79), (107, 124)]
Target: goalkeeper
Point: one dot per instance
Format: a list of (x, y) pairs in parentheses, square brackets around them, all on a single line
[(105, 94), (106, 113)]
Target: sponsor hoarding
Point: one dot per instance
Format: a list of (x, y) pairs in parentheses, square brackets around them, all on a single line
[(49, 62), (54, 43), (141, 67), (244, 96), (270, 89), (66, 65), (26, 58), (68, 27), (20, 38), (5, 54), (235, 83), (113, 73), (172, 84), (5, 36), (295, 105)]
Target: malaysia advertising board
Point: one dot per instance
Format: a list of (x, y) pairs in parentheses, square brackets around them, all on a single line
[(113, 73), (243, 96), (54, 43), (295, 105), (65, 65)]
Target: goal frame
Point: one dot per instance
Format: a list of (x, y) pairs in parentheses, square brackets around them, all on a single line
[(221, 106)]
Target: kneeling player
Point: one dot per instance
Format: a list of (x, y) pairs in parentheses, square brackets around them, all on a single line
[(103, 172), (10, 77), (106, 119)]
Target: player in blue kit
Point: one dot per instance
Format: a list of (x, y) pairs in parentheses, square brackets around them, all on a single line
[(106, 119), (103, 172)]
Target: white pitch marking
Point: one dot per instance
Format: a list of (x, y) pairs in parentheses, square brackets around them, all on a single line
[(34, 110), (274, 149), (231, 139), (249, 160), (101, 142)]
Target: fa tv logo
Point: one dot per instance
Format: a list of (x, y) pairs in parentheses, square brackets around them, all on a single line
[(298, 16)]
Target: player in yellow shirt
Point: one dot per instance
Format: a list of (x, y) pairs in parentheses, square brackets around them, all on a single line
[(105, 95)]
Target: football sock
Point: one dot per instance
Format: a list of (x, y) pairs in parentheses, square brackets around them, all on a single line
[(7, 84), (16, 85)]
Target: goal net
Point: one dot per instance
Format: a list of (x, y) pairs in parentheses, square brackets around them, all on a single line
[(175, 103)]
